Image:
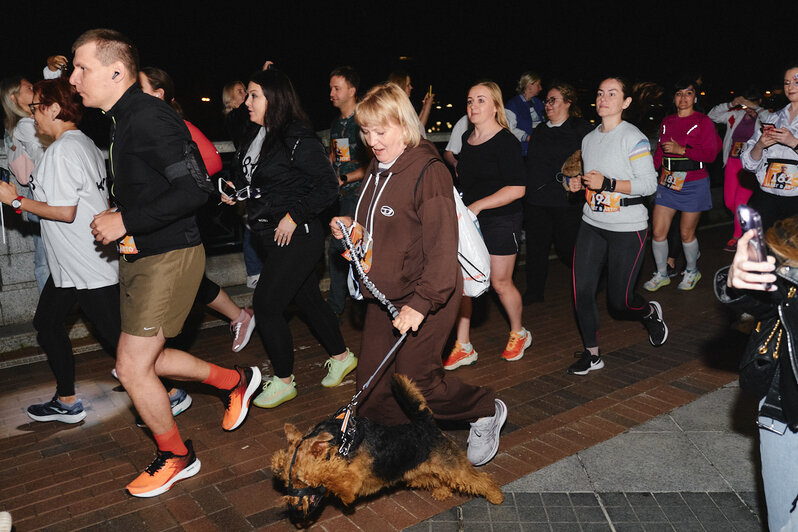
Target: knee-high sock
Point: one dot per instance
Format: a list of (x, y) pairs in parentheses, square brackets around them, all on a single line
[(660, 251), (690, 254)]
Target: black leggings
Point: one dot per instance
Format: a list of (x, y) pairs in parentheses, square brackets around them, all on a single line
[(289, 274), (99, 305), (622, 252), (545, 224)]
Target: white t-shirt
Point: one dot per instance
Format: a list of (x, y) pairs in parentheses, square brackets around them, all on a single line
[(72, 172), (252, 157)]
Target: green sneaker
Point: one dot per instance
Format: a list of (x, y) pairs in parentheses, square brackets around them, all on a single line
[(337, 370), (275, 392)]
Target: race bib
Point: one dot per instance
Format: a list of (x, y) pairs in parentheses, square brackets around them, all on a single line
[(672, 180), (781, 176), (603, 201), (340, 148), (128, 246), (737, 149), (363, 245)]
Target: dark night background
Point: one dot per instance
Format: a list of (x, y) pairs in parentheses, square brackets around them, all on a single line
[(449, 45)]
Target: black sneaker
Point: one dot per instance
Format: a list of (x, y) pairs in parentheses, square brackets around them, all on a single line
[(55, 410), (657, 330), (672, 272), (586, 364)]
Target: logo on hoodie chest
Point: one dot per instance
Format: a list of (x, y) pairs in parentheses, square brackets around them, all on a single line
[(386, 210)]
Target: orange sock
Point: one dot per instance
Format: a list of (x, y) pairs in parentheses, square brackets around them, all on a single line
[(171, 441), (221, 378)]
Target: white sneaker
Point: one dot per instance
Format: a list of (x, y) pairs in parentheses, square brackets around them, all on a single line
[(657, 282), (483, 438), (689, 279), (252, 281), (5, 522)]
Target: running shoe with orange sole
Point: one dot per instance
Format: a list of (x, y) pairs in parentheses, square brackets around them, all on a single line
[(164, 471), (237, 399), (516, 345)]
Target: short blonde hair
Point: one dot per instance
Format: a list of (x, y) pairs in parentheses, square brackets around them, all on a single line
[(386, 103), (525, 79), (495, 95)]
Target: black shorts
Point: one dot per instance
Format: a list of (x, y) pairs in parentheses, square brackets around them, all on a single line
[(502, 234)]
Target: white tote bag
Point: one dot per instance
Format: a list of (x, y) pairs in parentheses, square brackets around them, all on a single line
[(471, 251)]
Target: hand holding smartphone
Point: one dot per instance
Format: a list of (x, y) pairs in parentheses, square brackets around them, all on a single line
[(757, 250)]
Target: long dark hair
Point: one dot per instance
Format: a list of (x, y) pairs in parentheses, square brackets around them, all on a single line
[(283, 106), (159, 79)]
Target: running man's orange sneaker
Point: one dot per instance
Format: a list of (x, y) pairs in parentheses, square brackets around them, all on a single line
[(237, 399), (164, 471), (461, 355), (516, 345)]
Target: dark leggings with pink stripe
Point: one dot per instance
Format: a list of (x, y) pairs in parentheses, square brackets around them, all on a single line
[(622, 253)]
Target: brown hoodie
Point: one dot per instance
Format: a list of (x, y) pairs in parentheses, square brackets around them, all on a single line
[(413, 224)]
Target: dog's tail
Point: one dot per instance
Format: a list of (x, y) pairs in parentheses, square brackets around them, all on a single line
[(410, 399)]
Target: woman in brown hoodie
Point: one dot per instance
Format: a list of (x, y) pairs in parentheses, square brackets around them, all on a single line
[(406, 216)]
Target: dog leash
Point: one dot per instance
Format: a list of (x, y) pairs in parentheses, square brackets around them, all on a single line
[(347, 431)]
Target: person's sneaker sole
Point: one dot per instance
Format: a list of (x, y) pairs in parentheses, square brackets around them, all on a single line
[(502, 413), (282, 400), (520, 355), (590, 368), (247, 335), (182, 406), (254, 384), (63, 418), (465, 361), (191, 470)]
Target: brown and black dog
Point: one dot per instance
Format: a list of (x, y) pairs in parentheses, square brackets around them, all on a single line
[(417, 454)]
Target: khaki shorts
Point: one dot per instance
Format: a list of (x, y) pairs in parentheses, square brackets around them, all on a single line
[(158, 292)]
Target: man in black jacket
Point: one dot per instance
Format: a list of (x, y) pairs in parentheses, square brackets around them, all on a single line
[(156, 191)]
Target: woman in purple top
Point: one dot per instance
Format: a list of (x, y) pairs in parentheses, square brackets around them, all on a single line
[(687, 142)]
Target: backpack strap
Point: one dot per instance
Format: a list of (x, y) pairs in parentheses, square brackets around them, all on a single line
[(418, 181)]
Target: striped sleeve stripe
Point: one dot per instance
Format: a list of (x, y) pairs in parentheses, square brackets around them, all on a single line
[(641, 149)]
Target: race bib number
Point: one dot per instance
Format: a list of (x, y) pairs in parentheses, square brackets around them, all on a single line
[(340, 148), (363, 245), (737, 149), (672, 180), (603, 201), (128, 246), (781, 176)]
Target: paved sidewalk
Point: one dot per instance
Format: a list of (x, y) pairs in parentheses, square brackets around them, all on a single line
[(695, 468)]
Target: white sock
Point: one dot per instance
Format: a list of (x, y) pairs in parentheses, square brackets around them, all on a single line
[(690, 254), (660, 251)]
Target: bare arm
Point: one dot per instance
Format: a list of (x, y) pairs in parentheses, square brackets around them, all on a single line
[(500, 198)]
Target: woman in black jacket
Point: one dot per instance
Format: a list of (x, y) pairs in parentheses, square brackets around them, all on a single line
[(290, 182), (551, 213), (742, 286)]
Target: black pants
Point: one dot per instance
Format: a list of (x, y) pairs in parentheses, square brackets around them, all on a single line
[(622, 252), (772, 208), (544, 225), (99, 305), (289, 274)]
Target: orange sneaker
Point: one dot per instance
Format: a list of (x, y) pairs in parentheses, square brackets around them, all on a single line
[(460, 356), (516, 345), (238, 398), (164, 471)]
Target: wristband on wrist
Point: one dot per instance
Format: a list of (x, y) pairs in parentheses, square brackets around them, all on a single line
[(606, 184), (288, 215), (344, 178), (612, 186)]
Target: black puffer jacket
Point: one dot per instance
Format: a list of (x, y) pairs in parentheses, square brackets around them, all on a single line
[(294, 176), (781, 401)]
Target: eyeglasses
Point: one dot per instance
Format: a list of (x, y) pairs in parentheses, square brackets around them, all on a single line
[(552, 101), (32, 106)]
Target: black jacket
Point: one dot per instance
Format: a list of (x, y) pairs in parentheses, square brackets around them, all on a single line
[(152, 186), (549, 147), (294, 177), (781, 401)]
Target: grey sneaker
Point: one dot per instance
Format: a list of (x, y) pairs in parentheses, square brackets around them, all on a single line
[(655, 325), (5, 522), (483, 438)]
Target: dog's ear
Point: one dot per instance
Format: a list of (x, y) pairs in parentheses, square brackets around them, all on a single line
[(279, 460), (292, 434), (319, 448)]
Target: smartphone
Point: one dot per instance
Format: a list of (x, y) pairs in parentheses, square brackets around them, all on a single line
[(757, 251), (766, 127), (429, 91)]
